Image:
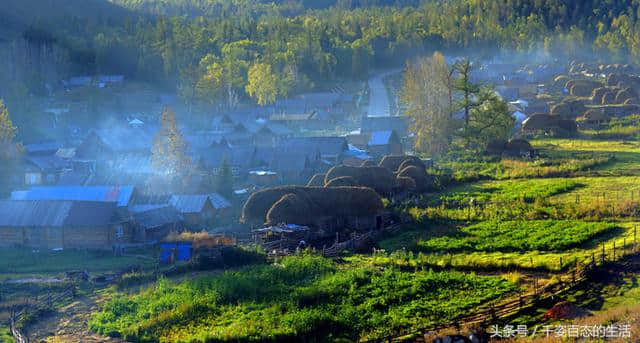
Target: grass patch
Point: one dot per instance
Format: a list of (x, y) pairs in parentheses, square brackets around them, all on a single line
[(19, 262), (302, 297), (511, 236)]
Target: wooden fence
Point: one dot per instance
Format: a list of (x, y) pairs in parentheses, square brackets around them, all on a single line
[(36, 305), (576, 274)]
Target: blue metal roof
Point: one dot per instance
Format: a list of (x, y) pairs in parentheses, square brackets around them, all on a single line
[(380, 137), (120, 194)]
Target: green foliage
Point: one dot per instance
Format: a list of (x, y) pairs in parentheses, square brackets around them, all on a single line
[(305, 297), (508, 236), (7, 129)]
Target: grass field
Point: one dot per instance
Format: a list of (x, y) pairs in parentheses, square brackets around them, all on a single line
[(301, 297), (17, 262)]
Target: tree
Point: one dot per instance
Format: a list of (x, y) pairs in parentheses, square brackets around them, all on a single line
[(469, 89), (224, 182), (263, 85), (7, 130), (489, 119), (427, 96), (169, 152)]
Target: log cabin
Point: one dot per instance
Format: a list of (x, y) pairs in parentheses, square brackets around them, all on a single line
[(48, 224)]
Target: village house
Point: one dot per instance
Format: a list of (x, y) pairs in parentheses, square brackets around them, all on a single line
[(383, 143), (196, 209), (330, 149), (47, 224), (122, 196), (154, 222), (399, 124)]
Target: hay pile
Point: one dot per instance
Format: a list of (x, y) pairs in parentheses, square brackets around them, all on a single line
[(423, 181), (569, 109), (393, 162), (406, 184), (496, 147), (342, 181), (302, 205), (597, 94), (316, 180), (609, 98), (582, 88), (378, 178), (519, 145), (368, 163), (624, 95)]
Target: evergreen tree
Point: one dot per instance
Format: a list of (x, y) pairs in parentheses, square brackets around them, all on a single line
[(224, 182)]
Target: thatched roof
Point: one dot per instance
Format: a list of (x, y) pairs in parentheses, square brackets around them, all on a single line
[(318, 201), (393, 162), (316, 180), (378, 178), (342, 181)]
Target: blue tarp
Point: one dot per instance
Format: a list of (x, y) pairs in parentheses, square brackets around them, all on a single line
[(182, 252)]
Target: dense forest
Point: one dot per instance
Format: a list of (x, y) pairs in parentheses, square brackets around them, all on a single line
[(219, 50)]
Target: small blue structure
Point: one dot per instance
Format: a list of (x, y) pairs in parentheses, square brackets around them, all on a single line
[(173, 252)]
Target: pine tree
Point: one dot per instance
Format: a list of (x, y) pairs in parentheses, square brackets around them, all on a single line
[(224, 182)]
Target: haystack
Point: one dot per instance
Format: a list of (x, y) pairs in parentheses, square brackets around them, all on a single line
[(631, 101), (290, 209), (496, 147), (423, 181), (406, 183), (316, 180), (342, 181), (368, 163), (609, 98), (624, 95), (378, 178), (569, 109), (597, 94), (583, 88), (319, 201), (416, 162), (519, 145), (393, 162)]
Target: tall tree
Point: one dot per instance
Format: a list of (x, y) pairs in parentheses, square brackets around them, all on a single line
[(7, 129), (468, 89), (169, 152), (263, 85), (427, 98), (224, 182)]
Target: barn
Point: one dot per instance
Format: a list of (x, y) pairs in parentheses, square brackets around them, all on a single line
[(50, 224)]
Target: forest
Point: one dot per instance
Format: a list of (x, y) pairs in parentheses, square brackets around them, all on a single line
[(221, 50)]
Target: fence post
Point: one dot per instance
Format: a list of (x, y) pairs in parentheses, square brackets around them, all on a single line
[(603, 256), (561, 263), (635, 232)]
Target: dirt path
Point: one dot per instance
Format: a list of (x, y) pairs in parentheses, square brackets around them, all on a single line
[(69, 324)]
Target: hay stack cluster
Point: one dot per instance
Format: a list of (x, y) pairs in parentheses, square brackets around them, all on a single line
[(368, 163), (548, 123), (378, 178), (582, 88), (303, 205), (316, 180), (342, 181), (569, 109), (411, 167)]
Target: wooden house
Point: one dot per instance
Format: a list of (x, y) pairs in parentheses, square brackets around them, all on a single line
[(196, 209), (382, 143), (46, 224), (153, 223)]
